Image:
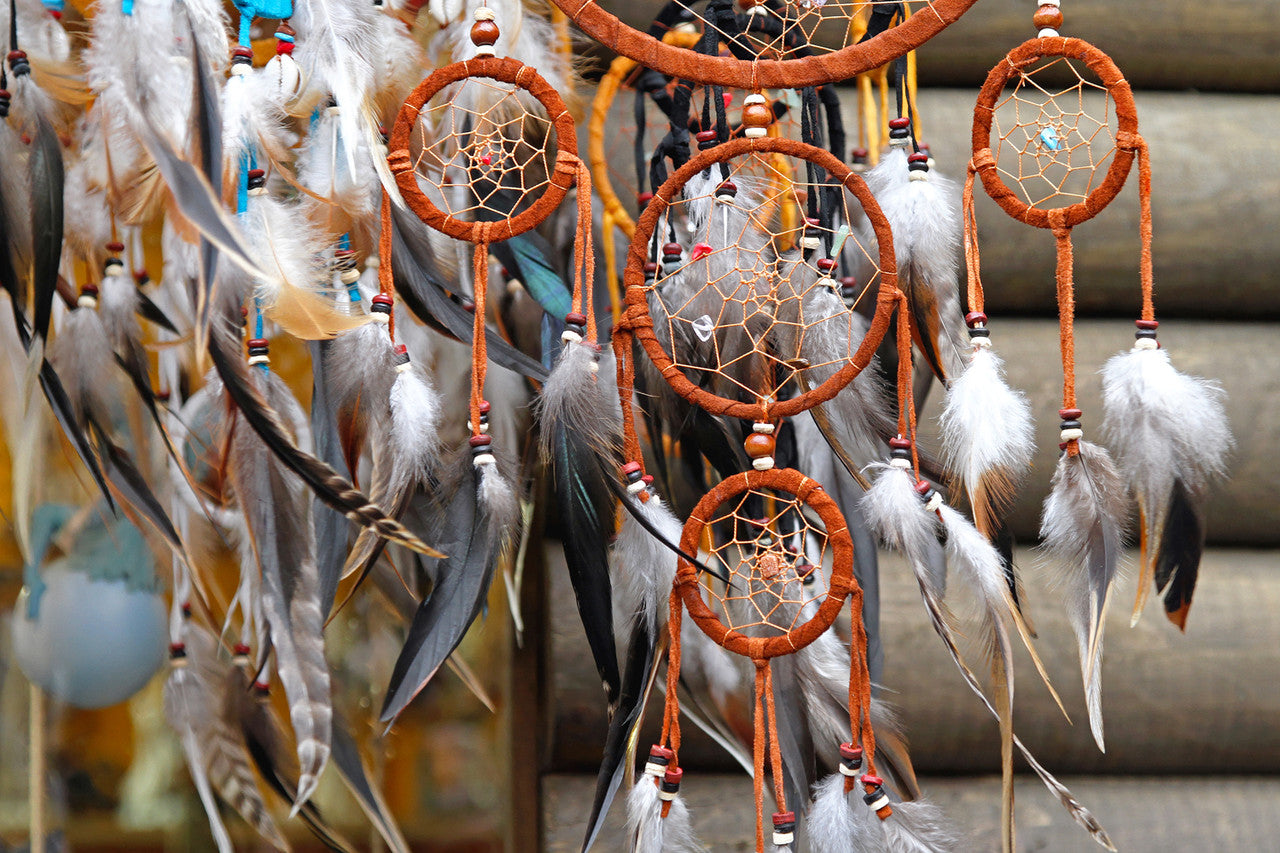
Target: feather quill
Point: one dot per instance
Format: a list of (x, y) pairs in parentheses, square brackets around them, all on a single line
[(1082, 527), (1171, 439)]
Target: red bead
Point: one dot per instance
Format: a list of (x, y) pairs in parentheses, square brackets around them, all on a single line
[(826, 264), (705, 135), (1148, 325), (285, 47), (673, 776), (177, 648), (869, 780), (647, 479), (899, 123), (975, 318), (16, 56), (848, 281), (115, 247), (243, 51), (241, 649), (575, 318), (89, 289), (700, 250), (727, 187), (644, 198), (650, 267), (382, 299), (401, 349), (1070, 414), (900, 443), (657, 751), (485, 406), (923, 487), (1047, 17), (256, 343), (783, 818), (629, 469), (811, 222), (671, 249), (479, 441), (861, 154), (918, 157), (850, 752)]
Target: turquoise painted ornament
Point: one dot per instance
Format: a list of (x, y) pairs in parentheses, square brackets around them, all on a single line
[(90, 628)]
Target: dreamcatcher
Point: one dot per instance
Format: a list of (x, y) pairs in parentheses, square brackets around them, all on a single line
[(1055, 134), (493, 154)]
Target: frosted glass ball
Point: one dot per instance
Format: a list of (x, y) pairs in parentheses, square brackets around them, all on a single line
[(93, 643)]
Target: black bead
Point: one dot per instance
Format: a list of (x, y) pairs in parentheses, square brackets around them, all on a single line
[(979, 332), (1069, 425)]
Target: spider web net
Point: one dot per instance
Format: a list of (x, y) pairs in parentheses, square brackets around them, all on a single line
[(746, 311), (486, 150), (1054, 128), (792, 29), (774, 553)]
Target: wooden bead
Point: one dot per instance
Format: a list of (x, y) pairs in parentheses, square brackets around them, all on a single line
[(1047, 18), (756, 115), (484, 33), (759, 445)]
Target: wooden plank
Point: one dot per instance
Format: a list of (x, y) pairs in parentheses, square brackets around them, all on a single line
[(1142, 815), (1205, 700)]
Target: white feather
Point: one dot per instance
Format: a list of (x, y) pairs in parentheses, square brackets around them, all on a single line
[(643, 568), (918, 827), (841, 823), (986, 425), (649, 830), (1163, 423)]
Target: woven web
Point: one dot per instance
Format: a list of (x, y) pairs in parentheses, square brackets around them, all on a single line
[(773, 553), (1055, 133), (791, 29), (745, 312), (487, 150)]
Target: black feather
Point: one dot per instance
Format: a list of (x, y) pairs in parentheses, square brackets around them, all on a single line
[(45, 167), (427, 298), (64, 412), (586, 523), (148, 310), (331, 487), (131, 488), (637, 680), (465, 535), (1178, 560), (528, 257)]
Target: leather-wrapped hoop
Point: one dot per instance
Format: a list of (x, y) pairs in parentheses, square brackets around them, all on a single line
[(638, 306), (840, 583), (984, 112), (501, 70), (928, 20)]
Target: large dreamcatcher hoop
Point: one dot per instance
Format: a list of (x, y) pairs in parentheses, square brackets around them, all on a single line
[(641, 278), (882, 44)]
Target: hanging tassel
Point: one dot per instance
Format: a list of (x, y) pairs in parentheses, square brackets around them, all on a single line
[(918, 827), (923, 212), (1171, 438), (657, 818), (1082, 528)]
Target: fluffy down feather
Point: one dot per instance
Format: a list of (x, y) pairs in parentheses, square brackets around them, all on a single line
[(986, 435), (649, 831), (1171, 438), (925, 218), (841, 823)]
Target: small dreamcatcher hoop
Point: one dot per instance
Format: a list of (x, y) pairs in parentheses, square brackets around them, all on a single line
[(565, 171), (844, 62), (774, 564), (1057, 132), (640, 276)]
